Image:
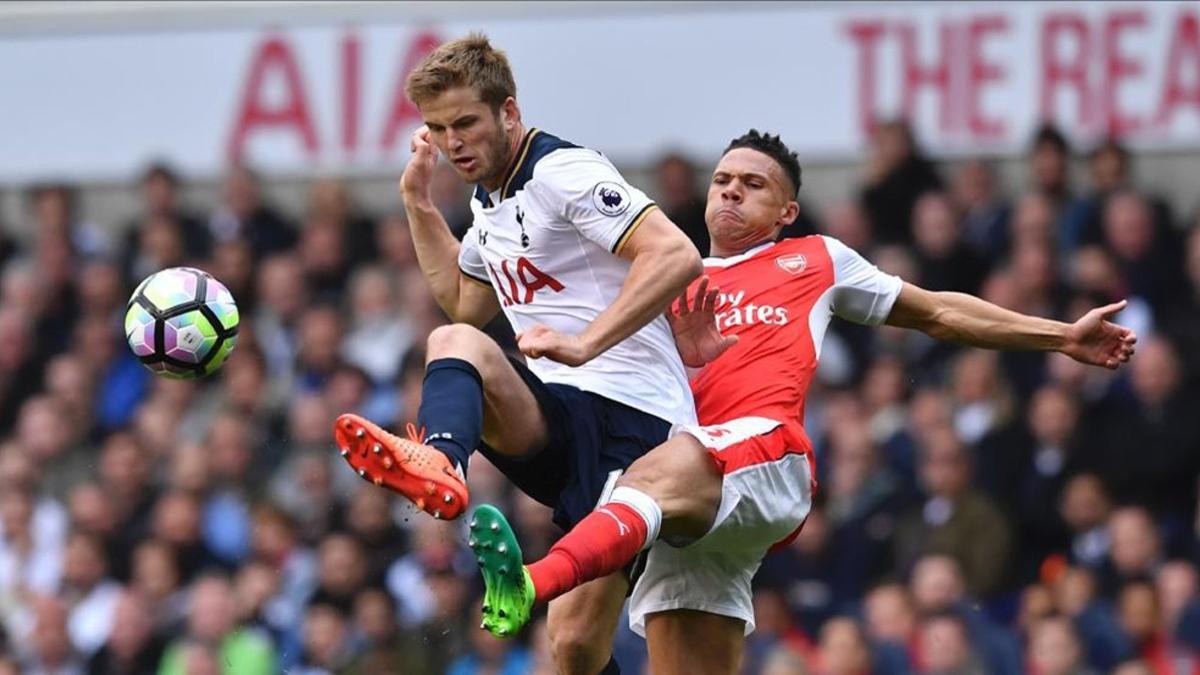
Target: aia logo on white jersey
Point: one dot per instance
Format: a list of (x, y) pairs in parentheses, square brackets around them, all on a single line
[(792, 264), (517, 283)]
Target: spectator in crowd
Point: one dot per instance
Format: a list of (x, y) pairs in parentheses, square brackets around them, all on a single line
[(891, 626), (897, 174), (323, 256), (847, 222), (489, 654), (1026, 472), (682, 198), (90, 594), (939, 590), (383, 645), (394, 241), (1085, 508), (843, 648), (1179, 598), (946, 262), (330, 201), (1050, 176), (58, 217), (156, 579), (1109, 168), (1161, 426), (955, 519), (985, 212), (775, 629), (369, 520), (341, 572), (783, 661), (244, 214), (946, 647), (380, 332), (1136, 549), (233, 263), (1149, 258), (1139, 615), (326, 641), (159, 192), (30, 557), (861, 497), (50, 651), (20, 369), (451, 199), (1054, 649), (132, 647), (212, 621)]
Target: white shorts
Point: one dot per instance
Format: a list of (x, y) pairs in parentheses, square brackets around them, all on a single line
[(765, 496)]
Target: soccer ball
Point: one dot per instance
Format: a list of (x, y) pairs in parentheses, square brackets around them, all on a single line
[(181, 323)]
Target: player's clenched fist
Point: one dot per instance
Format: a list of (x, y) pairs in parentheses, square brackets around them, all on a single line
[(541, 341), (418, 175)]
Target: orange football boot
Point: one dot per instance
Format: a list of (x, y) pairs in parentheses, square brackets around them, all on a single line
[(420, 472)]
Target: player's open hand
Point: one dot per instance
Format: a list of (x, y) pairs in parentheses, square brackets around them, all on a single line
[(417, 178), (1096, 341), (697, 337), (543, 341)]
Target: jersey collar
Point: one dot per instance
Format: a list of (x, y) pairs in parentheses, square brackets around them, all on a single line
[(533, 147), (735, 259)]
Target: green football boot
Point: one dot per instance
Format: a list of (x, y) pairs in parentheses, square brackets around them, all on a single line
[(508, 594)]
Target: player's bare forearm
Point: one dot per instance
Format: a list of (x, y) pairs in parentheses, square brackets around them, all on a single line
[(968, 320), (662, 268), (437, 253)]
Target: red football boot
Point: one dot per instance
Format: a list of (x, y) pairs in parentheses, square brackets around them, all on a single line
[(418, 471)]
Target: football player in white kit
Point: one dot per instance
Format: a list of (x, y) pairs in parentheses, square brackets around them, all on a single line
[(583, 265)]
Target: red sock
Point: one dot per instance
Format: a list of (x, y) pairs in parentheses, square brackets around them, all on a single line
[(602, 543)]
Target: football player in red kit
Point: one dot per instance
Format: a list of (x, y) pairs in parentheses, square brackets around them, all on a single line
[(716, 497)]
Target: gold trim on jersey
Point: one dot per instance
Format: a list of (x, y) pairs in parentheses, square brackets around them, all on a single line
[(633, 225), (516, 167)]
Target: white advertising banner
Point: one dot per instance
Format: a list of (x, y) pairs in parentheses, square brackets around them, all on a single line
[(973, 77)]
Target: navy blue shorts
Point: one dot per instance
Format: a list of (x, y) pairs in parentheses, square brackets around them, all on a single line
[(589, 437)]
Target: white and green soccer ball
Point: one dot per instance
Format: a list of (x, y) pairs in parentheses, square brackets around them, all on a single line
[(181, 323)]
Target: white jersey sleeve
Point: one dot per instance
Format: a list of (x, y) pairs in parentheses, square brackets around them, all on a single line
[(589, 193), (470, 259), (861, 292)]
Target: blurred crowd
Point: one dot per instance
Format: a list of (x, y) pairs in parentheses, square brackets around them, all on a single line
[(978, 512)]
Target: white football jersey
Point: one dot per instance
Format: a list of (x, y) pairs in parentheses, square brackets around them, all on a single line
[(547, 243)]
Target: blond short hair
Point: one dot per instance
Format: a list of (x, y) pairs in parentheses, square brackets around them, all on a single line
[(469, 61)]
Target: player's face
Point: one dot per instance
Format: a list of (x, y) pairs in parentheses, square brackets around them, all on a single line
[(749, 200), (473, 137)]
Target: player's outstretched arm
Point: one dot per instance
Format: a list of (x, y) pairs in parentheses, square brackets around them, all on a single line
[(966, 319), (464, 300)]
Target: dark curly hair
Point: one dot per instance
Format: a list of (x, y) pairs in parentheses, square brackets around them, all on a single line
[(773, 147)]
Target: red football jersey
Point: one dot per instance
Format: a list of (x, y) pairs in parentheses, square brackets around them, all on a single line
[(779, 298)]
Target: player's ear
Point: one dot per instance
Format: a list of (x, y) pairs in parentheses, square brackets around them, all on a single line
[(510, 113), (789, 213)]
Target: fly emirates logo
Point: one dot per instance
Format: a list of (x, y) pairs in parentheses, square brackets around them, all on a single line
[(733, 313)]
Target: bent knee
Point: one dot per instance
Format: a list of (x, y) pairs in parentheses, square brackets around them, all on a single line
[(463, 341), (577, 653), (683, 481), (456, 337), (678, 468)]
